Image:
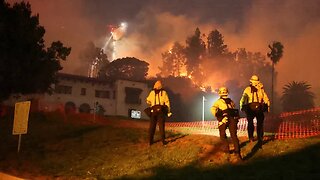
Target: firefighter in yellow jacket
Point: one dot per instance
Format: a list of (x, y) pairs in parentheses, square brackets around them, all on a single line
[(254, 102), (224, 110), (159, 102)]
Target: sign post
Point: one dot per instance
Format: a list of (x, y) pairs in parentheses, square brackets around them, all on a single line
[(21, 117), (203, 100)]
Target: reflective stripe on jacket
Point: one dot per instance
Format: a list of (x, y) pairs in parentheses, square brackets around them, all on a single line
[(222, 105), (250, 96), (154, 98)]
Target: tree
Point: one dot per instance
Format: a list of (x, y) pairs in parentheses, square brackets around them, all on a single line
[(195, 50), (93, 61), (248, 63), (258, 60), (167, 61), (102, 64), (173, 61), (215, 43), (127, 68), (297, 96), (26, 65), (243, 63), (275, 55), (181, 92)]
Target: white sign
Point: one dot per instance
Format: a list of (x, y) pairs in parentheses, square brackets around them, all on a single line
[(21, 117)]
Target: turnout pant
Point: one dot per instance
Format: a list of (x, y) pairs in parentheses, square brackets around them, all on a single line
[(260, 120), (160, 119), (232, 125)]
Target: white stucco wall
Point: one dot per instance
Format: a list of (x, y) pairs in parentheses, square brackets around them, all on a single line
[(122, 108), (114, 105), (89, 98)]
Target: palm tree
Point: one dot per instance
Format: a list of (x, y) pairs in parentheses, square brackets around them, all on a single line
[(297, 96), (275, 56)]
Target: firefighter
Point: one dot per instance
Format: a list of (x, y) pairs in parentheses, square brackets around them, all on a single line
[(159, 102), (254, 102), (224, 110)]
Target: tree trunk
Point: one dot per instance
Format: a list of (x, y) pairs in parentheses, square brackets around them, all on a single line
[(272, 86)]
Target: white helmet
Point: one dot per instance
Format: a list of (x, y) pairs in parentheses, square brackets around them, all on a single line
[(223, 91)]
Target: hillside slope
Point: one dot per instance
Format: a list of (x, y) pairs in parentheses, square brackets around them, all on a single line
[(113, 148)]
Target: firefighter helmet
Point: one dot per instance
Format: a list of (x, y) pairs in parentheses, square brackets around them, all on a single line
[(157, 85), (254, 79), (223, 91)]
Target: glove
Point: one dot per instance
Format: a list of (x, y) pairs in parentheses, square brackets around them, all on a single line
[(223, 121)]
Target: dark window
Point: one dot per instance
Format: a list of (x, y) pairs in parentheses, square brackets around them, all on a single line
[(102, 94), (61, 89), (84, 108), (83, 91), (69, 107), (133, 95)]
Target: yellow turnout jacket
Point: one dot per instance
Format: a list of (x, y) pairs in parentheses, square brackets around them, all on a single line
[(161, 98), (254, 94), (222, 105)]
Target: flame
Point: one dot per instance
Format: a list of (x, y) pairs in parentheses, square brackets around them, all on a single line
[(202, 88), (183, 74), (212, 79)]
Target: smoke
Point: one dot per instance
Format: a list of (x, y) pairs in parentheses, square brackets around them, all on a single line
[(154, 34), (153, 26), (296, 25), (63, 20)]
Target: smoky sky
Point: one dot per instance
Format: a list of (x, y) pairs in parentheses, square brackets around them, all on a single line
[(154, 25)]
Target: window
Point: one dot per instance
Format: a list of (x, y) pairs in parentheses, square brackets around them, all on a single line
[(84, 108), (61, 89), (83, 91), (102, 94), (133, 95), (70, 107)]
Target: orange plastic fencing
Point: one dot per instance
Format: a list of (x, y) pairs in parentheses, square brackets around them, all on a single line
[(288, 114), (204, 127), (289, 130), (242, 124), (289, 125), (299, 124)]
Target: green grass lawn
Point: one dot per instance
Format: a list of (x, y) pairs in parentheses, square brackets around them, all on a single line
[(54, 149)]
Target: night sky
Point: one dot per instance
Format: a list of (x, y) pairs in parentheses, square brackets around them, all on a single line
[(153, 25)]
